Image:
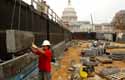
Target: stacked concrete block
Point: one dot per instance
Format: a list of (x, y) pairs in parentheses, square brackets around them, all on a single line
[(109, 71), (118, 55), (94, 52), (90, 52)]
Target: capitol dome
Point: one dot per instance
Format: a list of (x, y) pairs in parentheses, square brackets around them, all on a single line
[(69, 14)]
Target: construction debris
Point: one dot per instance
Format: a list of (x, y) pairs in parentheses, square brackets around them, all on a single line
[(109, 71), (104, 59), (86, 61), (93, 52), (95, 61), (118, 55), (116, 76)]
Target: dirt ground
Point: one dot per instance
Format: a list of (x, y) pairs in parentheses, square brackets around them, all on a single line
[(73, 54)]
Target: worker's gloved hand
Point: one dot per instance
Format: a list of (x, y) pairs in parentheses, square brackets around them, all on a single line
[(34, 46), (34, 49)]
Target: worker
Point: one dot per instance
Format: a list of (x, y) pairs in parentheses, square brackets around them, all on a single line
[(94, 44), (44, 63)]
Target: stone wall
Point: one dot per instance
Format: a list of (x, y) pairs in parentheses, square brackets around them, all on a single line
[(58, 49), (15, 66)]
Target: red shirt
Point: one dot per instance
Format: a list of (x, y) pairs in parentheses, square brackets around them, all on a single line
[(45, 60)]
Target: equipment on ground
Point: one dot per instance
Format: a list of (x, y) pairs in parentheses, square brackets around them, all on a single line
[(83, 73), (86, 71)]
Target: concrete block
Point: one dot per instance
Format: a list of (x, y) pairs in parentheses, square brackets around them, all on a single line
[(18, 40)]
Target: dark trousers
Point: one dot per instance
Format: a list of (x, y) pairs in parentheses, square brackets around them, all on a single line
[(44, 75)]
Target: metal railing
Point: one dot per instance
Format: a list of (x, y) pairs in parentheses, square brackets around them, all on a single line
[(48, 11)]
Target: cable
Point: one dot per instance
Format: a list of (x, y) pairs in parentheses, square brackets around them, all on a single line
[(19, 15), (13, 13)]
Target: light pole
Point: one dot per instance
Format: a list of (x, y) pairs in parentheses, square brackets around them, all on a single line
[(92, 22)]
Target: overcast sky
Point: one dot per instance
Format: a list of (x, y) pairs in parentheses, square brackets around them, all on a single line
[(101, 10)]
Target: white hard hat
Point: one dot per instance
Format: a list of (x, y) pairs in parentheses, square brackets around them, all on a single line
[(46, 42)]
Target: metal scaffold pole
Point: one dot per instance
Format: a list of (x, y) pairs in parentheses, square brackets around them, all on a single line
[(92, 22)]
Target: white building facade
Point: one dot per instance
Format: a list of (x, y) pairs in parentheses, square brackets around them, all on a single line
[(69, 17), (105, 27)]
